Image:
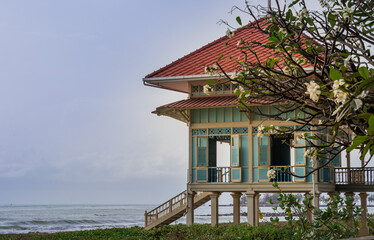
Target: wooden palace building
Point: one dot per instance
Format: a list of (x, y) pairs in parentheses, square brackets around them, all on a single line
[(215, 122)]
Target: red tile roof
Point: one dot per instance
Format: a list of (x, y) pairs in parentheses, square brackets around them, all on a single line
[(195, 62), (198, 102)]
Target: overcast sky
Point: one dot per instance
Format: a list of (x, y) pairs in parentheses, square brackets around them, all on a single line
[(75, 119)]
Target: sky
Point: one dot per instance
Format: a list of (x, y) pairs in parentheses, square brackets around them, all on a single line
[(75, 118)]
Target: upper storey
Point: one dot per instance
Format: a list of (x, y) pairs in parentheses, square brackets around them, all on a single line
[(181, 74)]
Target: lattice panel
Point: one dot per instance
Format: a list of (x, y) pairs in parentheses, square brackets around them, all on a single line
[(241, 130), (219, 131), (198, 132), (195, 89), (227, 87)]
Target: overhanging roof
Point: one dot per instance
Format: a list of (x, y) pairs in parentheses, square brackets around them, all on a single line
[(178, 109)]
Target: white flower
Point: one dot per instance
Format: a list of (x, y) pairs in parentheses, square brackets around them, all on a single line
[(313, 90), (229, 34), (298, 24), (307, 153), (348, 10), (260, 131), (320, 122), (240, 42), (340, 96), (211, 70), (303, 13), (347, 60), (207, 89), (271, 174), (338, 83), (283, 30)]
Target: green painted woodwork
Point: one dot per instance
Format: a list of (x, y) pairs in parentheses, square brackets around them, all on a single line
[(300, 171), (202, 175), (220, 117), (240, 130), (235, 150), (202, 151), (244, 153), (236, 174), (263, 174), (273, 110), (202, 157), (335, 161), (264, 155), (194, 151), (255, 151), (245, 176), (194, 175), (255, 175), (310, 177), (235, 115), (227, 114), (201, 131), (299, 156), (203, 115), (264, 140), (195, 115), (219, 131), (264, 110), (212, 115), (243, 116), (325, 172), (234, 156)]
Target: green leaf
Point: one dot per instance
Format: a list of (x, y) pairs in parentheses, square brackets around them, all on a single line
[(335, 74), (239, 20), (364, 72), (331, 19), (211, 82), (219, 58), (356, 142), (293, 3)]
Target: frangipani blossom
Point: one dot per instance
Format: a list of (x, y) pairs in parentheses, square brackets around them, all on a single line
[(271, 174), (313, 89), (207, 89)]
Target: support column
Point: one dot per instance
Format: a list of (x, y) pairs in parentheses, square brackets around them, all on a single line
[(316, 200), (250, 208), (348, 156), (350, 208), (364, 230), (214, 208), (309, 214), (236, 206), (190, 208), (257, 206)]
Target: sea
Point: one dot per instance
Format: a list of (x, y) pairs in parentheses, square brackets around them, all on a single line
[(58, 218)]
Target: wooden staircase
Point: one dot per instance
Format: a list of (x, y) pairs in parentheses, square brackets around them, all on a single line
[(173, 209)]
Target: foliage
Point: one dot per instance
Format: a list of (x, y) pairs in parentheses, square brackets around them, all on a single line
[(320, 64), (338, 220), (196, 231)]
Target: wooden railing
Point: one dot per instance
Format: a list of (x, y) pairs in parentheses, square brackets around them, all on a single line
[(282, 173), (165, 208), (359, 176), (219, 174)]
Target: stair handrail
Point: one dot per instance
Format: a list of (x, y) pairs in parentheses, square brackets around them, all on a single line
[(166, 207)]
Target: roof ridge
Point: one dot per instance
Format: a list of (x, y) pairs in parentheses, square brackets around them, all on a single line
[(201, 49)]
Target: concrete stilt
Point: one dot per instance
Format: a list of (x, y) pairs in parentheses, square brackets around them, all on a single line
[(350, 208), (250, 208), (257, 206), (236, 206), (190, 208), (309, 214), (214, 208), (364, 230)]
